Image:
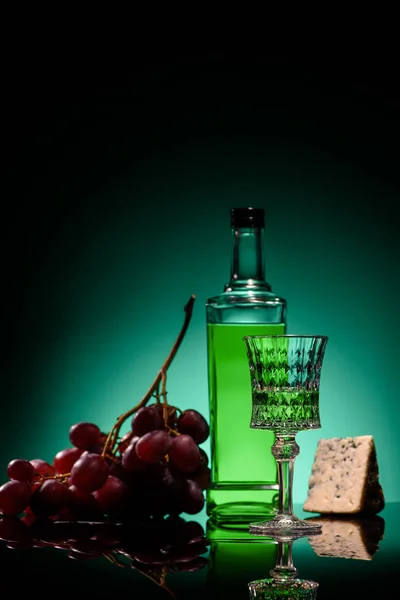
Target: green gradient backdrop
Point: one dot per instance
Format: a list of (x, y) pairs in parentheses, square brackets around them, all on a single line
[(120, 211)]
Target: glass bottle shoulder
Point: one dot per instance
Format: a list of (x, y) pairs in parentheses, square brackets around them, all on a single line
[(246, 305), (245, 294)]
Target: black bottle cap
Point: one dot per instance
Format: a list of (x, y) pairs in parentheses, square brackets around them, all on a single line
[(247, 217)]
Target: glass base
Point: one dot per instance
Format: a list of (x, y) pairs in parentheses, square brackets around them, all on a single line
[(284, 525), (278, 590)]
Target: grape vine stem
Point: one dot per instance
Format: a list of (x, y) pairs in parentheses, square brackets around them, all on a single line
[(114, 433)]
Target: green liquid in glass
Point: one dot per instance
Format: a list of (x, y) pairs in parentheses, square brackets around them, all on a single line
[(244, 474), (286, 410)]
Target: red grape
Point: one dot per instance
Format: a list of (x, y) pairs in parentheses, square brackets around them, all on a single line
[(192, 498), (99, 446), (117, 469), (124, 443), (146, 419), (49, 498), (112, 495), (202, 477), (203, 458), (28, 518), (157, 490), (14, 497), (42, 467), (185, 453), (65, 459), (89, 472), (153, 446), (21, 470), (194, 424), (170, 480), (85, 435), (131, 461), (157, 469), (82, 504)]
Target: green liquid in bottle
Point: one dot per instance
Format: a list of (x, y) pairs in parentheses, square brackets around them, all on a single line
[(242, 463)]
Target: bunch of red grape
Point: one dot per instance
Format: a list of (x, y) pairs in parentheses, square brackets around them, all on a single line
[(168, 545), (157, 469)]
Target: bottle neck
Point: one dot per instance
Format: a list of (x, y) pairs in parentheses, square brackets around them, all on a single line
[(248, 262)]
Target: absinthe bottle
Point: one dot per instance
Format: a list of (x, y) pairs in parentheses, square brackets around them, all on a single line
[(243, 470)]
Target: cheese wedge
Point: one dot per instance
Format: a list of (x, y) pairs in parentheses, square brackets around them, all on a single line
[(345, 478)]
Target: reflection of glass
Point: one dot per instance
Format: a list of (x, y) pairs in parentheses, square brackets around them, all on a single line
[(284, 583), (285, 380)]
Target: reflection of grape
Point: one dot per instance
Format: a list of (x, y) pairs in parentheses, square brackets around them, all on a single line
[(193, 565), (152, 547), (86, 548), (190, 532), (14, 530)]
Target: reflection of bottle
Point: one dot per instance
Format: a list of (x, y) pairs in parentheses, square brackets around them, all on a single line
[(235, 558), (243, 470)]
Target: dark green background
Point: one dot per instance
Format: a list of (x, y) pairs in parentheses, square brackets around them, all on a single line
[(121, 179)]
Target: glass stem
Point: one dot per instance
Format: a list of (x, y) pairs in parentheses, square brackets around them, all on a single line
[(285, 450), (284, 569)]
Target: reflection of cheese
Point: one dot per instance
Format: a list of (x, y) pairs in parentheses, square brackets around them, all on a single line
[(345, 478), (347, 538)]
